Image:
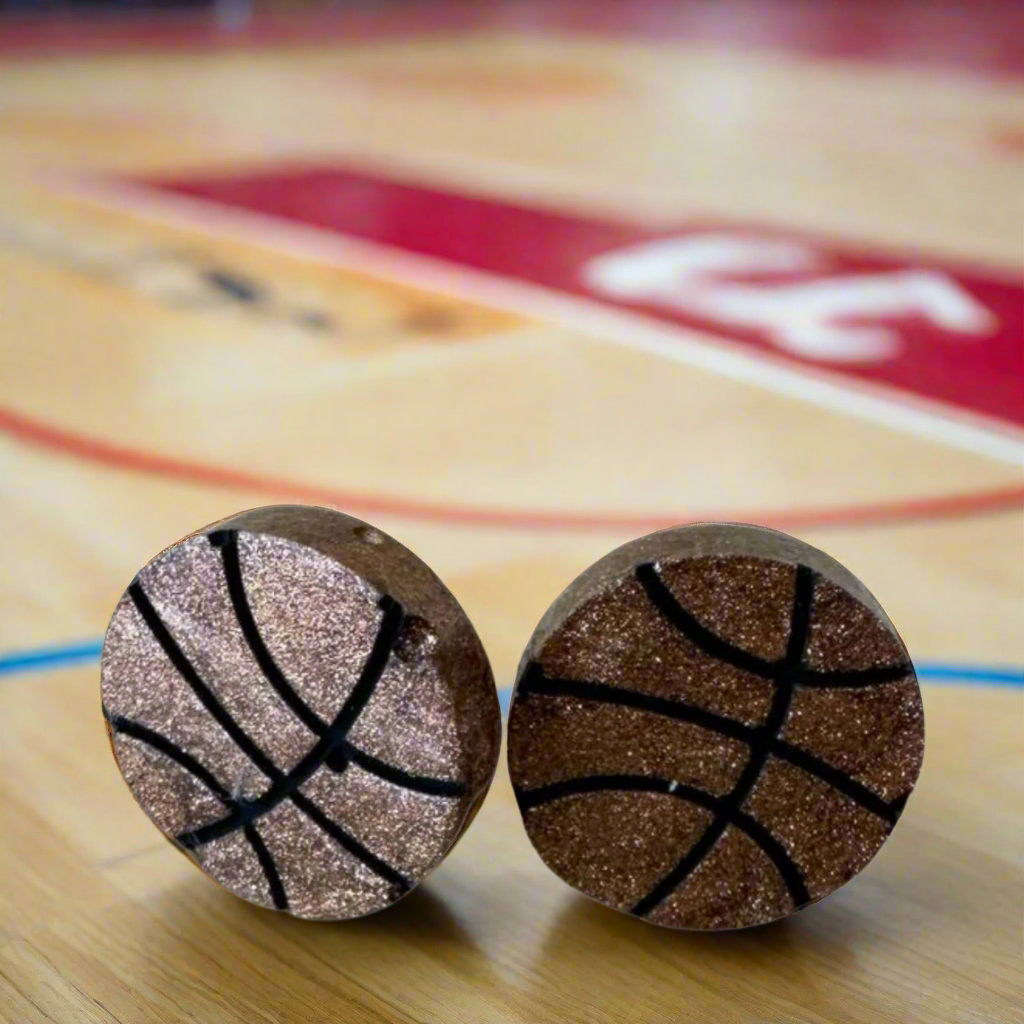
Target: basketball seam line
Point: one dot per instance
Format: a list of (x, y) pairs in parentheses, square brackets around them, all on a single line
[(285, 785), (206, 697), (534, 681), (165, 746), (712, 644), (349, 842), (266, 860), (396, 776), (764, 741), (160, 743), (663, 599), (750, 826), (282, 785), (759, 745), (227, 541)]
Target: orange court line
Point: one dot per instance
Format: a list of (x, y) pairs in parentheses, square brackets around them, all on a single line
[(98, 451)]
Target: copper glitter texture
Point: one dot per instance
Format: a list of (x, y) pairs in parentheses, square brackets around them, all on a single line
[(302, 707), (713, 727)]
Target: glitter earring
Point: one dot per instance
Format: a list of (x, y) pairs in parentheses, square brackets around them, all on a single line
[(300, 704), (712, 727)]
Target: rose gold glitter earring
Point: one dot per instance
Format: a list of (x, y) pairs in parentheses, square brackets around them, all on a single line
[(712, 727), (300, 705)]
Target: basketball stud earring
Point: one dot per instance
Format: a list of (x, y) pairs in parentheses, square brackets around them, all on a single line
[(301, 706), (712, 727)]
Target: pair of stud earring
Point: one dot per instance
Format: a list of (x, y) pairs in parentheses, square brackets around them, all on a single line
[(712, 727)]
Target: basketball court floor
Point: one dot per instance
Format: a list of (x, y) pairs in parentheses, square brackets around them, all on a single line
[(516, 283)]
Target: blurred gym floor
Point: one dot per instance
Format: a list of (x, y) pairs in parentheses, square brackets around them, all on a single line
[(516, 282)]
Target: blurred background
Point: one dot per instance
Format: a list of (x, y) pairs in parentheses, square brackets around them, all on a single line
[(517, 282)]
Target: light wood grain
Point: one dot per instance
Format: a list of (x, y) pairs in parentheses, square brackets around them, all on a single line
[(100, 919), (103, 918)]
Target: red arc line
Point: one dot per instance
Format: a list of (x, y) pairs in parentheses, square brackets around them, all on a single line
[(101, 452)]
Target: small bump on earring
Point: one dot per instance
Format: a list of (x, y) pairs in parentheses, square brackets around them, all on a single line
[(300, 705)]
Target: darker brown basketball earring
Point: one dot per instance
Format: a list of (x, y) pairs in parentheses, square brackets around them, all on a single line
[(301, 706), (712, 727)]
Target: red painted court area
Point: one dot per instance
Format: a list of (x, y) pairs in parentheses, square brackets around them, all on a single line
[(986, 36), (922, 326)]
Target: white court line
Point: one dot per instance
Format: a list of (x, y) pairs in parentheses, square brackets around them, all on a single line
[(892, 408), (555, 191)]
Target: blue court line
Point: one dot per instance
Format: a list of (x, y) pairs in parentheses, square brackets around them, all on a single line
[(40, 658), (993, 675), (49, 657)]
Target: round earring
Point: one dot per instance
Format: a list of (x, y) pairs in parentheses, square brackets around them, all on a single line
[(301, 705), (712, 727)]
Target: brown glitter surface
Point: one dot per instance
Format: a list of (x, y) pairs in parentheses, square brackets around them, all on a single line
[(846, 634), (309, 609), (657, 679), (393, 725), (614, 846), (746, 601), (608, 740), (233, 859), (735, 886), (306, 856), (875, 735), (619, 637), (174, 799), (223, 668), (411, 831), (825, 832), (139, 683), (436, 628)]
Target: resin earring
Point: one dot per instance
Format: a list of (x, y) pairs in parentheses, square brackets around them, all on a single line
[(302, 707), (712, 727)]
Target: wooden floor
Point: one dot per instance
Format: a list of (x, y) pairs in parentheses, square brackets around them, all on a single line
[(364, 264)]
